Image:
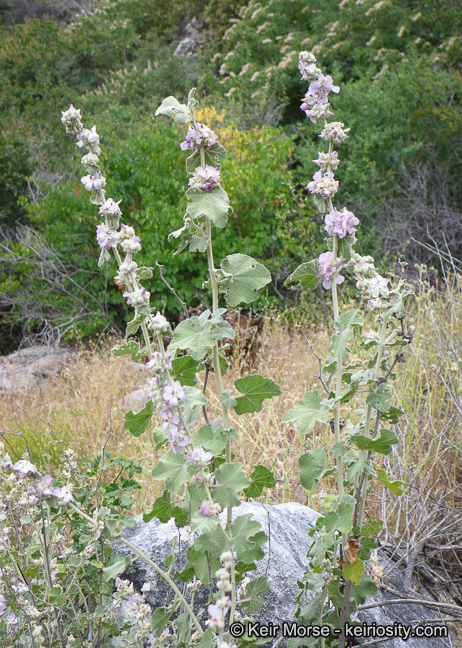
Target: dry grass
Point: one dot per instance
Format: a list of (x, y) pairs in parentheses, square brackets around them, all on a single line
[(83, 405)]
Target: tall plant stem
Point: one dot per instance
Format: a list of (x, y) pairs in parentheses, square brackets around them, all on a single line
[(338, 379), (367, 424), (216, 355), (152, 564)]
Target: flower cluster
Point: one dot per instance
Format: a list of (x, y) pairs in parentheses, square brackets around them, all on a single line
[(206, 178), (323, 185), (315, 103), (198, 136), (219, 610), (326, 160), (106, 237), (341, 223), (369, 280), (136, 611), (329, 271), (138, 298), (208, 507), (335, 132)]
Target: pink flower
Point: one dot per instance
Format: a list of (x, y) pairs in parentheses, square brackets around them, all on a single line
[(341, 223), (205, 178), (94, 183), (174, 393), (199, 457), (327, 271), (2, 605), (23, 468), (106, 237), (63, 494), (205, 509), (201, 135)]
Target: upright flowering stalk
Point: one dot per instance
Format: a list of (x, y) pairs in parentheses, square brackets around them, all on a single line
[(336, 552), (202, 486)]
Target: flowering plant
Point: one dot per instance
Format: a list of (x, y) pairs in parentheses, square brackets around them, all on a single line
[(197, 469), (345, 536)]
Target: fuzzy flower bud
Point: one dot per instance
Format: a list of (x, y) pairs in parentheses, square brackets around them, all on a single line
[(335, 132), (324, 160), (341, 223), (110, 208), (89, 139), (91, 162), (323, 185), (205, 178), (159, 324), (138, 298), (201, 135), (307, 66), (72, 120)]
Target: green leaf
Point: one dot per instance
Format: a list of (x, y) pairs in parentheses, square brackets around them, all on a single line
[(173, 469), (131, 348), (382, 443), (159, 620), (191, 335), (212, 440), (307, 411), (138, 423), (207, 639), (380, 399), (260, 478), (231, 480), (118, 567), (395, 487), (160, 438), (346, 510), (213, 156), (371, 528), (227, 400), (243, 529), (306, 274), (205, 554), (254, 389), (184, 369), (172, 108), (392, 415), (134, 325), (348, 319), (248, 277), (56, 596), (199, 243), (311, 467), (144, 273), (163, 510), (354, 572), (321, 204), (365, 589), (254, 591), (192, 406), (212, 204)]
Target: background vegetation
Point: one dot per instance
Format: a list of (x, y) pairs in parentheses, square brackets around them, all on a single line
[(398, 62)]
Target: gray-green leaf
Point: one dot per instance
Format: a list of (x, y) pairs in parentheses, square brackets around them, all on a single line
[(212, 204), (311, 468), (172, 108), (190, 335), (138, 423), (254, 389), (307, 411), (306, 274), (248, 277)]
